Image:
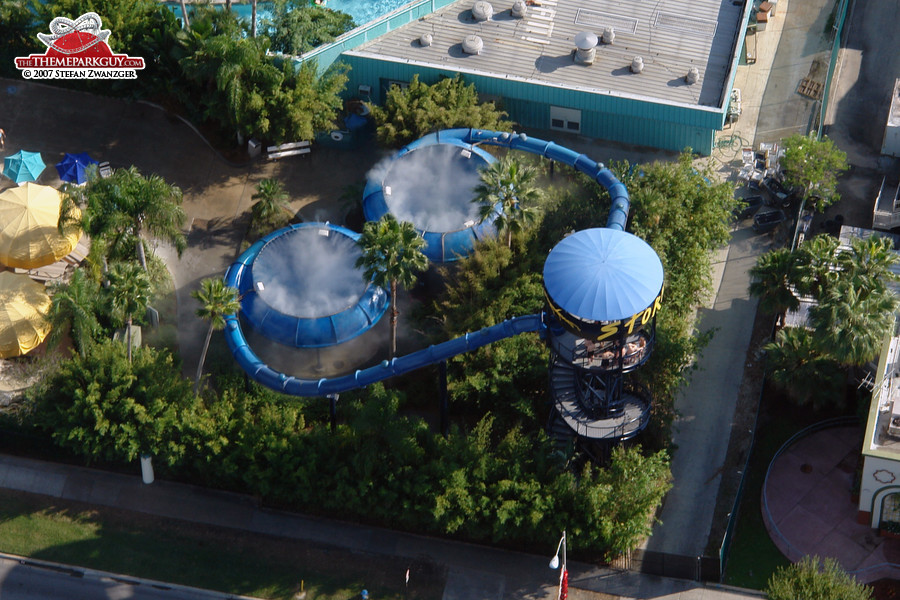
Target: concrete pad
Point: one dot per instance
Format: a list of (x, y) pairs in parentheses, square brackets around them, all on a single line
[(824, 452), (847, 552), (803, 529), (787, 484), (826, 501)]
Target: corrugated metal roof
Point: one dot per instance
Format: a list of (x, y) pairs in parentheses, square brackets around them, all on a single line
[(670, 36)]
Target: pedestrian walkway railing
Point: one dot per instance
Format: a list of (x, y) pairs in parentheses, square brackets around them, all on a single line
[(676, 566), (725, 546), (840, 17)]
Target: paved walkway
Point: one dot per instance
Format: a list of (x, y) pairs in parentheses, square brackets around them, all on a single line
[(475, 572), (808, 509)]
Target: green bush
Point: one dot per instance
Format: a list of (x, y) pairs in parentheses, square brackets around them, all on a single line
[(104, 408), (808, 580)]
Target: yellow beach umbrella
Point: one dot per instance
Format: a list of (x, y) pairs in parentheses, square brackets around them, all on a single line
[(23, 304), (29, 238)]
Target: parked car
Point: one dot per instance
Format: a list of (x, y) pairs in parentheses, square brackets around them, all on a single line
[(767, 221), (779, 194), (748, 207)]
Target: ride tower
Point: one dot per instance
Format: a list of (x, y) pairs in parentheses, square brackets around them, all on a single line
[(603, 288)]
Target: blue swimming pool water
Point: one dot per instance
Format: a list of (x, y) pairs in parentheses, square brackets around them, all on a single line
[(362, 11)]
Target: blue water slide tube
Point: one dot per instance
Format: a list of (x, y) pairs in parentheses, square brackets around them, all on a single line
[(281, 382), (618, 214), (294, 386), (440, 246)]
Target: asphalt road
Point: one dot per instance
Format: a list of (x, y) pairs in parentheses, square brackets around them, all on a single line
[(36, 581)]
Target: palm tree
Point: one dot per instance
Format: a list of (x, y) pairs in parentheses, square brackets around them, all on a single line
[(121, 208), (511, 185), (851, 323), (391, 256), (73, 308), (796, 366), (869, 263), (772, 281), (817, 265), (217, 301), (271, 206), (129, 294)]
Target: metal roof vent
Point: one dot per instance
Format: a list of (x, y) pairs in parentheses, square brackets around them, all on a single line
[(518, 9), (585, 48), (637, 64), (693, 75), (609, 35), (482, 10), (426, 39), (472, 44)]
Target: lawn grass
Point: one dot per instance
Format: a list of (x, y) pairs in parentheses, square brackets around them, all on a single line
[(216, 558), (753, 556)]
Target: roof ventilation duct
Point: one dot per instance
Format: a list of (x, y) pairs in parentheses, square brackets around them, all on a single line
[(472, 44), (518, 9), (585, 48), (426, 39), (693, 76), (637, 64), (609, 35), (482, 10)]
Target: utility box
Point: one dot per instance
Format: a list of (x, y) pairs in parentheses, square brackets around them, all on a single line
[(891, 144), (254, 148)]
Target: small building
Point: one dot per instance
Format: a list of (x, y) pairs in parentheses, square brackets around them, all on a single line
[(657, 74), (879, 484), (891, 144)]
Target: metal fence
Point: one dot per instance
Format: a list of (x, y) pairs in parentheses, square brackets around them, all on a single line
[(695, 568)]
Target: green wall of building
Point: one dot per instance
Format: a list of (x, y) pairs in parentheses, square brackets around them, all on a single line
[(626, 120)]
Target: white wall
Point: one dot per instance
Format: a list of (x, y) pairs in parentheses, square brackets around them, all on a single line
[(888, 481)]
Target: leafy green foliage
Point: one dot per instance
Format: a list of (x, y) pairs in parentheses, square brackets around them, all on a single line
[(247, 92), (104, 407), (511, 185), (17, 30), (853, 310), (120, 208), (813, 165), (772, 280), (809, 579), (411, 112), (217, 301), (73, 310), (271, 208), (297, 26), (683, 212), (796, 359), (391, 256)]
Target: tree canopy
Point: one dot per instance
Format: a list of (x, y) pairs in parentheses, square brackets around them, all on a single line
[(391, 256), (513, 186), (417, 109), (120, 208), (103, 407), (813, 165), (852, 309), (298, 26)]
